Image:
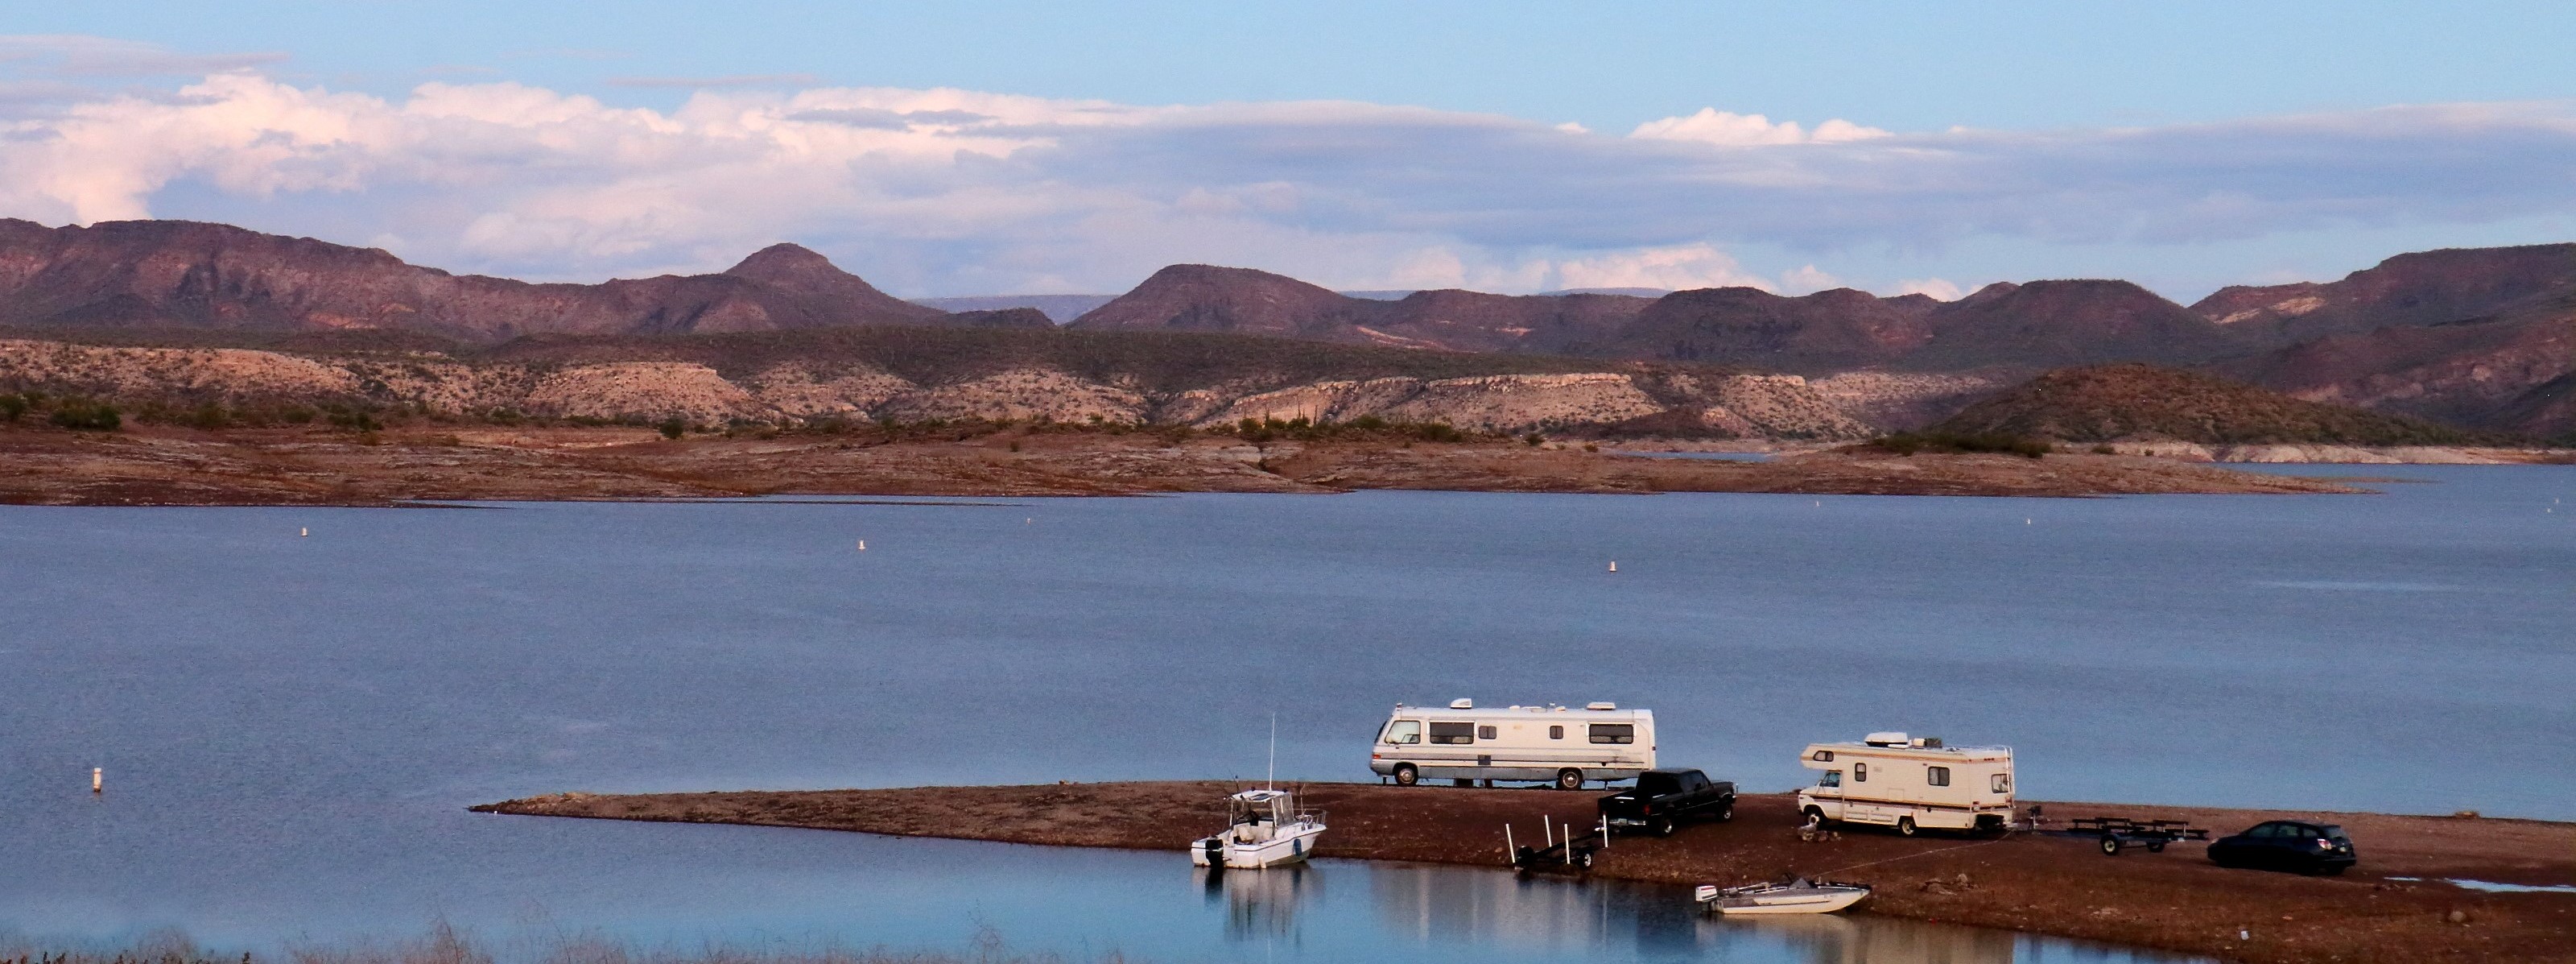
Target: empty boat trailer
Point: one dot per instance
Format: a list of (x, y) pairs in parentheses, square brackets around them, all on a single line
[(1552, 744)]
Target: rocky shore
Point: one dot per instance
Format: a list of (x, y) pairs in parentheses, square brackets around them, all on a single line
[(163, 465), (2396, 906)]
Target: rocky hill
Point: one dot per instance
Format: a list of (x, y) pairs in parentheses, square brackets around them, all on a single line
[(2145, 403), (919, 373), (2424, 288), (182, 274)]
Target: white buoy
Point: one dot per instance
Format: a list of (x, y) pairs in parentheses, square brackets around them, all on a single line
[(97, 779), (863, 545), (2025, 521), (1614, 566), (301, 533)]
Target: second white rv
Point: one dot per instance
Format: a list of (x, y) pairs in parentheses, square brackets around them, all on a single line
[(1553, 744), (1910, 783)]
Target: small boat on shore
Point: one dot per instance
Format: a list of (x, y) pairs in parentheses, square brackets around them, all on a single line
[(1267, 829), (1799, 896)]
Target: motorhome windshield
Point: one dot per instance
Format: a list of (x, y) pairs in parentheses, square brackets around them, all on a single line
[(1832, 778), (1404, 731)]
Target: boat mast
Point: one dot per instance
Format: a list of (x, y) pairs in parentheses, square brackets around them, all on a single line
[(1272, 780)]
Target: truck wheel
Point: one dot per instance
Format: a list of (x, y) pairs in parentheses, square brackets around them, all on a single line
[(2110, 846), (1905, 826), (1725, 812), (1569, 779), (1660, 826), (1406, 775)]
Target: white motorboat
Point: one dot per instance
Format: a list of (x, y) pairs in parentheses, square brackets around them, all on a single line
[(1267, 829), (1799, 896)]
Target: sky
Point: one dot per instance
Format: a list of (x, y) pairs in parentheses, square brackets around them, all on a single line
[(965, 148)]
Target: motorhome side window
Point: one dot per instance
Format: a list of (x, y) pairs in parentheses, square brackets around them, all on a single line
[(1936, 776), (2003, 783), (1860, 771), (1404, 731), (1614, 732), (1453, 733), (1484, 733), (1556, 733), (1823, 756)]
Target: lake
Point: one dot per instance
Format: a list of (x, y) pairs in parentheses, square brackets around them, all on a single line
[(291, 725)]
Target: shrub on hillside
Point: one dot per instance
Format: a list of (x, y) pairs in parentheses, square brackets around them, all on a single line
[(1908, 443), (86, 415)]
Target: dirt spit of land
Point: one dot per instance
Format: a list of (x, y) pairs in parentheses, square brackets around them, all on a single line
[(2175, 900), (161, 465)]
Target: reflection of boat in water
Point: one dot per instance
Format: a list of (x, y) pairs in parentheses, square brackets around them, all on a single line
[(1266, 829), (1262, 905), (1799, 896)]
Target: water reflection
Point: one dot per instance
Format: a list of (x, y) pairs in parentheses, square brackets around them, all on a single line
[(1262, 904)]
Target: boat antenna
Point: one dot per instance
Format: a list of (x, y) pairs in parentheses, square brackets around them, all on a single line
[(1273, 780)]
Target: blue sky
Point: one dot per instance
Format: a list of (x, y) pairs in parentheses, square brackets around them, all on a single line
[(2185, 145)]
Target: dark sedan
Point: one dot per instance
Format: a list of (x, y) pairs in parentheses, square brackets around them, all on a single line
[(2309, 848)]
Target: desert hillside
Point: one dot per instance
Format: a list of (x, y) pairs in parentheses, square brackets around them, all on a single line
[(2144, 403)]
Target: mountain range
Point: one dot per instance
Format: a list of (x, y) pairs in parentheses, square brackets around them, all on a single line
[(2480, 338)]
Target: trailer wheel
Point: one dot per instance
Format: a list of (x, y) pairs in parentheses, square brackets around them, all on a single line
[(1406, 775), (1583, 859), (2110, 846), (2156, 848), (1569, 779), (1905, 826)]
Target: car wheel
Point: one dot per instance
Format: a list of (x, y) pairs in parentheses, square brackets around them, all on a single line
[(1660, 826), (2110, 846), (1905, 826), (1406, 775), (1569, 779)]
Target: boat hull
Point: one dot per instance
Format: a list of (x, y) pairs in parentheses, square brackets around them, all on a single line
[(1290, 846)]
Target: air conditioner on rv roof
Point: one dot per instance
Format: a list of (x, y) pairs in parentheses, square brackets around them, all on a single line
[(1891, 738)]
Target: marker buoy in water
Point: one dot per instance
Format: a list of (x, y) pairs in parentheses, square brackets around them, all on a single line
[(1614, 566), (301, 533), (97, 779), (863, 545)]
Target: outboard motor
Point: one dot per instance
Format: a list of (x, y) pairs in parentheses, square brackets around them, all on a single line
[(1215, 847)]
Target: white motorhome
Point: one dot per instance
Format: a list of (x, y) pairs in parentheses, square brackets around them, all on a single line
[(1554, 744), (1910, 783)]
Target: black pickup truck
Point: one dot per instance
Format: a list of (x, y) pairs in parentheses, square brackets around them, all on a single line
[(1664, 799)]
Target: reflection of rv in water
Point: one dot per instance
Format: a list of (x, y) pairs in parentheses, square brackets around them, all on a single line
[(1553, 744), (1894, 780)]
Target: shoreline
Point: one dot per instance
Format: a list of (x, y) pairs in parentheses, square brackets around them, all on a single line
[(160, 465), (2172, 901)]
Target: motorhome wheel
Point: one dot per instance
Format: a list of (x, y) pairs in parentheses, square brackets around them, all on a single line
[(1816, 816), (1406, 775), (1569, 779), (1905, 826)]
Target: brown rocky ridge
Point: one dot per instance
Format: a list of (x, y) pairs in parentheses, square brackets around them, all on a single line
[(2174, 900), (182, 274)]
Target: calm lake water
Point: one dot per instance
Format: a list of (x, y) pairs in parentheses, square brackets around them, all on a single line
[(292, 726)]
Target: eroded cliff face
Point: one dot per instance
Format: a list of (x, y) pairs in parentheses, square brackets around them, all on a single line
[(1751, 406)]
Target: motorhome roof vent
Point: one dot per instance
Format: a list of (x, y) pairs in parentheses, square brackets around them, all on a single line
[(1601, 705), (1885, 739), (1462, 704), (1927, 742)]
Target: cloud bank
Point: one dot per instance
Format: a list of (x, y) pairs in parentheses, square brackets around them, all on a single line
[(953, 191)]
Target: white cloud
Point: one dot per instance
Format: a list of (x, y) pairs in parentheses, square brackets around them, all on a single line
[(1675, 268), (1713, 126), (948, 191), (82, 56)]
